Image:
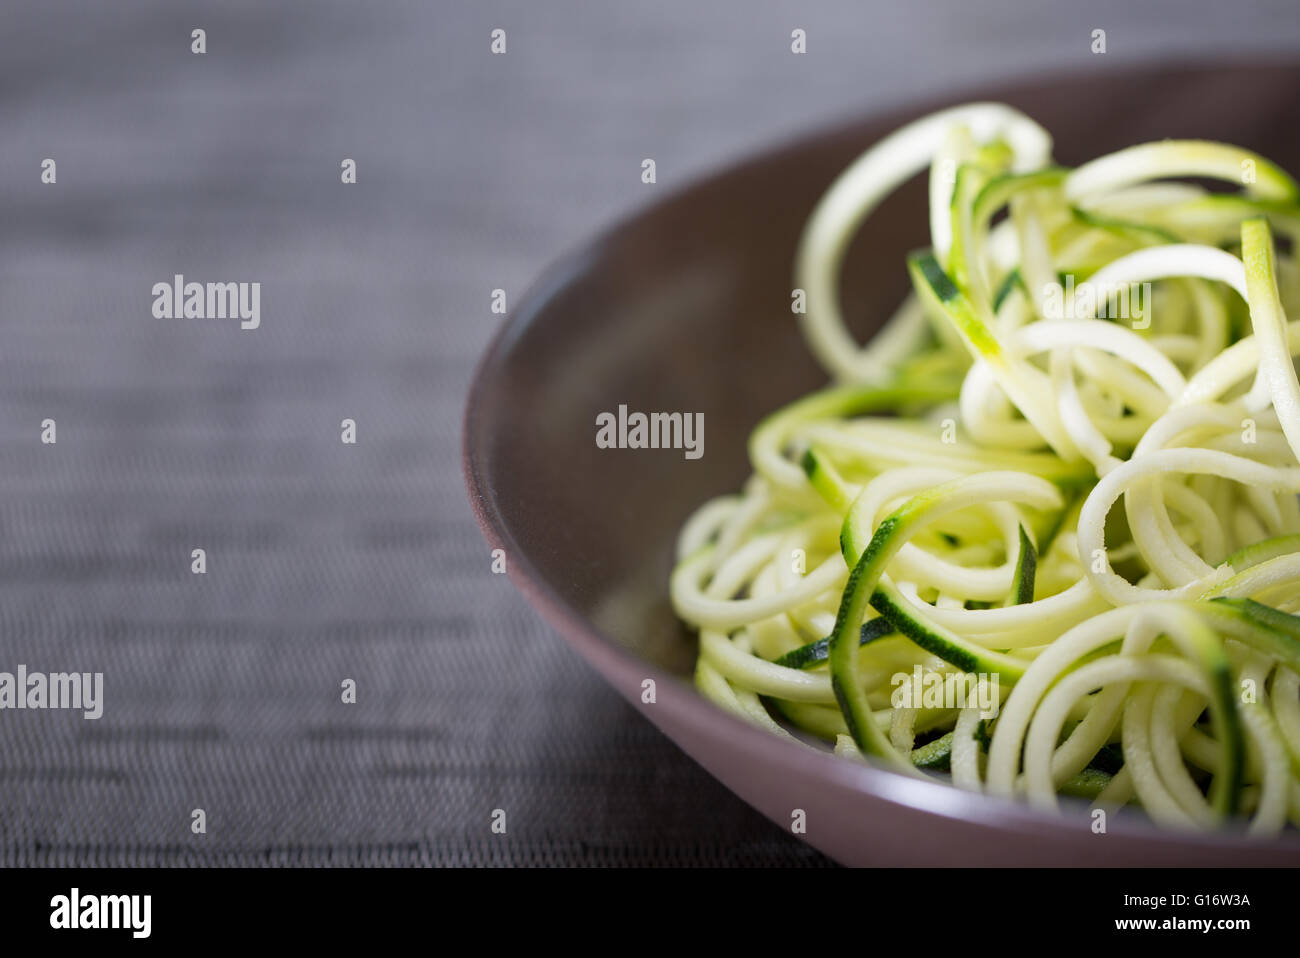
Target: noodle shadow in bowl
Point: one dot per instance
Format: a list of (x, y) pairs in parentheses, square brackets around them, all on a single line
[(686, 308)]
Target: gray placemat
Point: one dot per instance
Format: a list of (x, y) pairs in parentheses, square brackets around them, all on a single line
[(329, 561)]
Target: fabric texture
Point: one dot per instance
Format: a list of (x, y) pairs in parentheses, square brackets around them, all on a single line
[(328, 561)]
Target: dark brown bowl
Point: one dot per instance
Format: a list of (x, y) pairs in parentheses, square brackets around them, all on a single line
[(686, 307)]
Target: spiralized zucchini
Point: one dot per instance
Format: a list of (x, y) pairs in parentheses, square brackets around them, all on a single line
[(1066, 471)]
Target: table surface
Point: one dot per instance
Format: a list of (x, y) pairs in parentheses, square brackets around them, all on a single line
[(327, 561)]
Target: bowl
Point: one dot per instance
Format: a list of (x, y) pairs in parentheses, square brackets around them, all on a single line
[(685, 307)]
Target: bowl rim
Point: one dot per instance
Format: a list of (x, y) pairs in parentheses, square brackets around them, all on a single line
[(624, 669)]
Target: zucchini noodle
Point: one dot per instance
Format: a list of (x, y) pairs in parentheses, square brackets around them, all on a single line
[(1065, 473)]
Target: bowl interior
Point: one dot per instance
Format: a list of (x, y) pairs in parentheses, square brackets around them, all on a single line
[(686, 308)]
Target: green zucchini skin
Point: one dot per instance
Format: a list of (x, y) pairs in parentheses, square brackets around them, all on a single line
[(1026, 570), (815, 653), (934, 756)]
